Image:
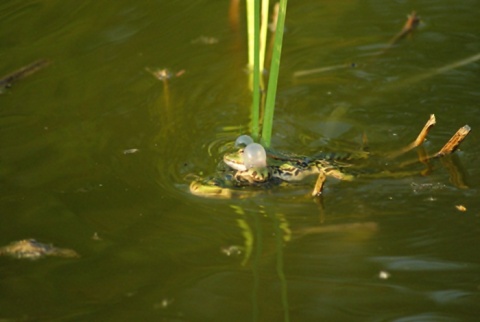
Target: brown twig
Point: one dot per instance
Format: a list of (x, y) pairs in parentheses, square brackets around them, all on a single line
[(8, 80)]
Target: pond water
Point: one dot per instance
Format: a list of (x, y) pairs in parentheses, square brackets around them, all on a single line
[(97, 154)]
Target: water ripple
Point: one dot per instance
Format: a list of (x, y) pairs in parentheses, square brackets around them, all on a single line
[(407, 263)]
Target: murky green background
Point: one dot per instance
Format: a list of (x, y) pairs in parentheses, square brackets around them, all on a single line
[(96, 153)]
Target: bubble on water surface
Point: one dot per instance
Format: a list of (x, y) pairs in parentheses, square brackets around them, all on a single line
[(243, 140), (254, 156)]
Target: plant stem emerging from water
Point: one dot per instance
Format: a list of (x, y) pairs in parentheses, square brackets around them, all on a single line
[(253, 18), (273, 79)]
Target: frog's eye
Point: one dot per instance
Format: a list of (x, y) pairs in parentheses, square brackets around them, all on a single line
[(254, 156), (243, 140)]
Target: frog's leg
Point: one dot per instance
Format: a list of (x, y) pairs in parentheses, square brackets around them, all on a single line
[(218, 189), (327, 169), (209, 190), (332, 170), (338, 174)]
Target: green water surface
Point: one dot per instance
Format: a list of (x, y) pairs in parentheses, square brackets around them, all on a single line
[(96, 155)]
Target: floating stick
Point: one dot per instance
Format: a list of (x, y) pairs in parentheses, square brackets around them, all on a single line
[(420, 138), (454, 141), (8, 80)]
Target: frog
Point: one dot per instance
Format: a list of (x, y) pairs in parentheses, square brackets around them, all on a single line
[(285, 168), (289, 168)]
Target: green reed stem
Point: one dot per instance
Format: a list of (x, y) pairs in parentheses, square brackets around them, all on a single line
[(250, 33), (253, 19), (263, 33), (273, 79)]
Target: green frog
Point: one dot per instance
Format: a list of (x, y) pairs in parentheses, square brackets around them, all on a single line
[(281, 168)]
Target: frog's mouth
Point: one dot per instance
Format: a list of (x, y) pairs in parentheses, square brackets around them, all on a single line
[(235, 160)]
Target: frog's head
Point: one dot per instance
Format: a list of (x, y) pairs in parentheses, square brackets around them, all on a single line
[(252, 156), (235, 160)]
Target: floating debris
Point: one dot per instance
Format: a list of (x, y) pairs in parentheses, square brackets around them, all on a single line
[(130, 151), (164, 74), (166, 302), (461, 208), (384, 275), (421, 187), (32, 249), (204, 40), (160, 74), (233, 250), (413, 20), (8, 80)]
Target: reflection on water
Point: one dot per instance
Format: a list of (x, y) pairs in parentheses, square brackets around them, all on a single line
[(95, 154)]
